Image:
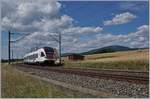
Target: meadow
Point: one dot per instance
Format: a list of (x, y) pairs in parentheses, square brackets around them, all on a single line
[(125, 60), (17, 85)]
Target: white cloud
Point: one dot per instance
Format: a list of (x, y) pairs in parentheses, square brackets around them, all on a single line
[(137, 39), (21, 16), (120, 19), (140, 37), (42, 19), (42, 15), (133, 6), (80, 30), (144, 28)]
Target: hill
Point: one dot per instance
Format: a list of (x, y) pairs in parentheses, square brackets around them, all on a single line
[(107, 49)]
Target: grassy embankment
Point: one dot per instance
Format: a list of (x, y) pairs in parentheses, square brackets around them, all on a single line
[(127, 60), (16, 84)]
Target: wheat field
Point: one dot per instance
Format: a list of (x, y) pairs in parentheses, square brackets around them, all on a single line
[(128, 60), (120, 56)]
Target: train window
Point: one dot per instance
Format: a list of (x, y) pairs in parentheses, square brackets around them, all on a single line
[(42, 54), (33, 56), (48, 49), (30, 57), (36, 55)]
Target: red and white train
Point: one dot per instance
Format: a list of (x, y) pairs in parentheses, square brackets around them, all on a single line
[(44, 55)]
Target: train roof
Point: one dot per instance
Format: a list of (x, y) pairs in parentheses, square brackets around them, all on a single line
[(43, 48)]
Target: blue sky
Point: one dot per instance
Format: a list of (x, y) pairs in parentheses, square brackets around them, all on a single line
[(94, 13), (84, 25)]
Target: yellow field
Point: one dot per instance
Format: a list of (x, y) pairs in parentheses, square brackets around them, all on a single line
[(127, 60), (120, 56)]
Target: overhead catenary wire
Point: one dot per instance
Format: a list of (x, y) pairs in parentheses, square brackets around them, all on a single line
[(9, 42), (58, 40)]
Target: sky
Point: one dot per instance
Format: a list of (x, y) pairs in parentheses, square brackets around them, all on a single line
[(84, 25)]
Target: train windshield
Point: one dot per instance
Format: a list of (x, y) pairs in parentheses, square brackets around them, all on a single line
[(49, 52)]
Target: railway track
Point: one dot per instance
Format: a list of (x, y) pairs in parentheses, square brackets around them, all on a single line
[(129, 76)]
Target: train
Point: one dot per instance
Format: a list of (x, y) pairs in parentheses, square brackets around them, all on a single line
[(44, 55)]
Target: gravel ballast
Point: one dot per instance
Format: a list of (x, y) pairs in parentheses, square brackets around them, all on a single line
[(117, 88)]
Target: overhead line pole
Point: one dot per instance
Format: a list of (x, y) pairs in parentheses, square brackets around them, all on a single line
[(9, 47), (9, 42), (12, 56), (9, 53), (59, 44), (60, 48)]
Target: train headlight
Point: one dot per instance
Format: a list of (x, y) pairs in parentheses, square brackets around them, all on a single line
[(57, 61)]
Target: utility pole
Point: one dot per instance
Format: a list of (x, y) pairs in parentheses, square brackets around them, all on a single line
[(58, 40), (9, 43), (12, 56), (9, 47), (60, 48)]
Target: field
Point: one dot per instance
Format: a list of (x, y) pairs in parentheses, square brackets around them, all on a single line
[(18, 85), (126, 60)]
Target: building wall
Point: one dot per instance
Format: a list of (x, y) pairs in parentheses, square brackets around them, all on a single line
[(75, 57)]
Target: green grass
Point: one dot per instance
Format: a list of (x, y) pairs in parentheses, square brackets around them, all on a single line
[(18, 85), (124, 65)]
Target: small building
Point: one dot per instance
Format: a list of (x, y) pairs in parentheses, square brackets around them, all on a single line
[(75, 57)]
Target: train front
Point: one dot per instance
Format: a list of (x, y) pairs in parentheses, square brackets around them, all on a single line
[(51, 55)]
